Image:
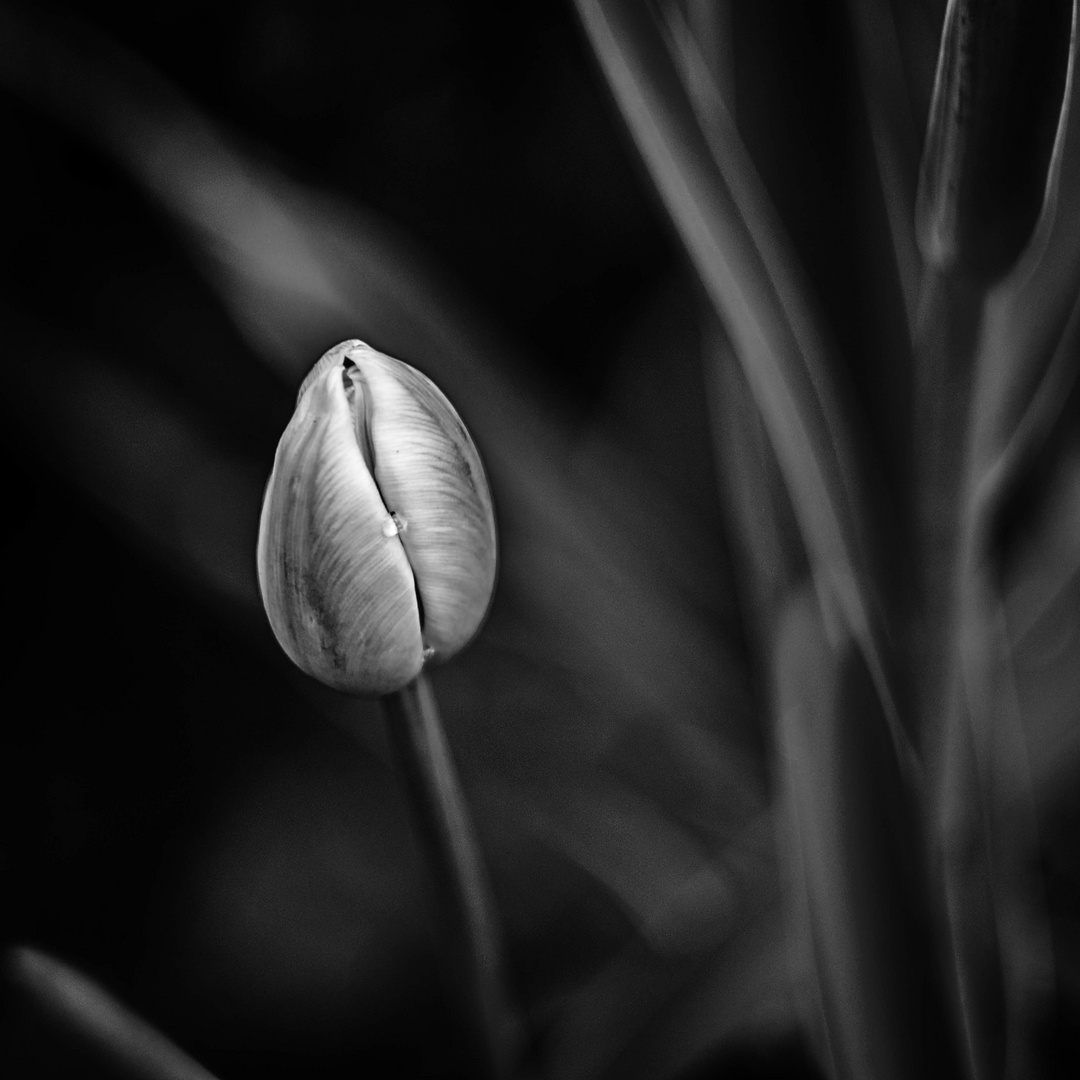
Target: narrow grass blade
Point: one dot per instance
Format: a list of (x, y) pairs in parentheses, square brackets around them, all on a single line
[(857, 859), (1024, 372), (859, 898), (770, 559), (893, 131), (1002, 940), (1011, 435), (1042, 568), (994, 122), (1025, 940), (723, 218), (77, 1009), (1026, 360), (970, 902), (708, 23), (1021, 681)]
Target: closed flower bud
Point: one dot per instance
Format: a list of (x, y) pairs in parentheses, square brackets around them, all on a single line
[(997, 110), (377, 538)]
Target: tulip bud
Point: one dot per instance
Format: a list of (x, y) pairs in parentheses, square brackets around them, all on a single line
[(377, 538), (998, 102)]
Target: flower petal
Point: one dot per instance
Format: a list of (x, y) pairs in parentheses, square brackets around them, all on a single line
[(430, 475), (335, 579)]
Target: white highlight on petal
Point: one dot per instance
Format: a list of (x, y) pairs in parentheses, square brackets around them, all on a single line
[(427, 467)]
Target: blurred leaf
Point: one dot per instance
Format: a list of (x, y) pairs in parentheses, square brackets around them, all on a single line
[(739, 995), (727, 225), (892, 125), (1008, 800), (994, 125), (679, 900), (1042, 612), (971, 902), (856, 859), (772, 559), (1028, 343), (77, 1010), (1026, 366), (1016, 424), (650, 1014), (709, 22)]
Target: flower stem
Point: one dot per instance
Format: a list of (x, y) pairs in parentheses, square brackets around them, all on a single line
[(467, 931), (961, 717)]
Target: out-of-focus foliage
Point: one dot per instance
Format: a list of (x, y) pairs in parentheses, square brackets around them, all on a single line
[(913, 824)]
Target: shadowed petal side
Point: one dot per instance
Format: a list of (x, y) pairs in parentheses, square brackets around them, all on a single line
[(334, 577)]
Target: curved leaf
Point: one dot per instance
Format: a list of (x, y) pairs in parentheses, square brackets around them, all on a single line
[(724, 220)]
